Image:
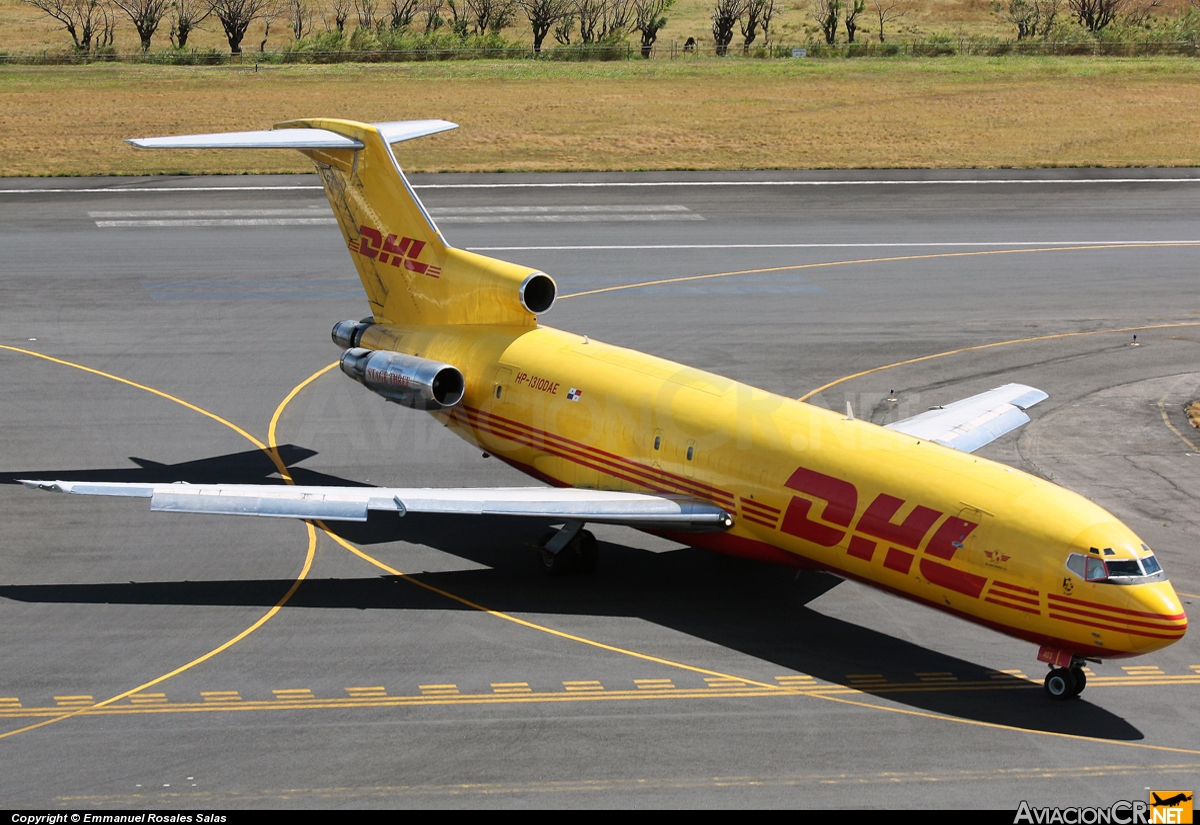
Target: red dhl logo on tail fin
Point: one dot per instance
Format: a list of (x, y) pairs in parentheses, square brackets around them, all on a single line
[(402, 253)]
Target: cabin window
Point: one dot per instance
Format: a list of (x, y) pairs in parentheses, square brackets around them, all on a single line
[(499, 390), (691, 453), (657, 442)]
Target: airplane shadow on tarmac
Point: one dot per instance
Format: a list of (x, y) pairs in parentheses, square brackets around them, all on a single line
[(755, 608)]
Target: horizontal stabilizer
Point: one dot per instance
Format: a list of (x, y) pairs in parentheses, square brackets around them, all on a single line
[(353, 503), (393, 132), (968, 424)]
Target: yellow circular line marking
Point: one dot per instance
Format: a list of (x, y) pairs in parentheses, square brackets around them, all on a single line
[(892, 259), (961, 350), (271, 452), (144, 388), (543, 628), (1162, 409)]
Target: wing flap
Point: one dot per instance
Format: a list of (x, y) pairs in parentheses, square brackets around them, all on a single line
[(968, 424), (353, 503)]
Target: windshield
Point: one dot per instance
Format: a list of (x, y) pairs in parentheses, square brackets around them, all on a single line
[(1118, 571)]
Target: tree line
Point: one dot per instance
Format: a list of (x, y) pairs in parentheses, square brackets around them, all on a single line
[(92, 23)]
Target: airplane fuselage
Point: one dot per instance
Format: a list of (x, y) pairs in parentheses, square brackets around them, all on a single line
[(807, 487)]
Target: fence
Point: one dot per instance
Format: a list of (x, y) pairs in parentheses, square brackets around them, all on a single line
[(626, 51)]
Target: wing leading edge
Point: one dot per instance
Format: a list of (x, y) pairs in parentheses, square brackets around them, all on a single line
[(353, 503), (968, 424)]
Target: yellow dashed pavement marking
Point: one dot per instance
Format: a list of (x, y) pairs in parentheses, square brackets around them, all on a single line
[(798, 680), (1015, 673), (655, 684), (294, 694), (576, 690), (367, 692), (148, 699), (722, 682), (73, 701), (438, 690)]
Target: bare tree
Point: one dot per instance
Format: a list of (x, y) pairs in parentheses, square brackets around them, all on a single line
[(543, 15), (87, 21), (826, 13), (649, 17), (725, 14), (236, 16), (749, 21), (765, 13), (300, 15), (145, 15), (562, 32), (401, 13), (490, 15), (431, 14), (1031, 17), (888, 10), (1094, 15), (341, 13), (600, 20), (273, 10), (368, 13), (853, 8), (460, 18), (185, 16), (1140, 11)]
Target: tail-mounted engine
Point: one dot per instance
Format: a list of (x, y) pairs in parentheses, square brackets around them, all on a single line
[(406, 379)]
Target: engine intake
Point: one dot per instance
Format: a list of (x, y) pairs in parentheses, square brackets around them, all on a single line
[(406, 379), (347, 334)]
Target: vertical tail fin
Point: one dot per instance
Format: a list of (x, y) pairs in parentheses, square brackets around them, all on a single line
[(410, 274)]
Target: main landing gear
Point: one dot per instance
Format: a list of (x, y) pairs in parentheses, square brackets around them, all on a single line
[(569, 550), (1066, 682)]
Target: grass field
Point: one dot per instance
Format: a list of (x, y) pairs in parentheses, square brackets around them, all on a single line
[(687, 114)]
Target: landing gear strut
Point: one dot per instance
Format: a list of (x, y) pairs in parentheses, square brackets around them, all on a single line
[(1064, 683), (569, 550)]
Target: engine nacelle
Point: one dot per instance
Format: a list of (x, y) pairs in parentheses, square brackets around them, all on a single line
[(406, 379), (347, 334)]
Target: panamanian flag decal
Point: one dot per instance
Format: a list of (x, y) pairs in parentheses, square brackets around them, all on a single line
[(574, 394)]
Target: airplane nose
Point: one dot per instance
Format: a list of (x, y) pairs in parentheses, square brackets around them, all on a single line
[(1155, 617)]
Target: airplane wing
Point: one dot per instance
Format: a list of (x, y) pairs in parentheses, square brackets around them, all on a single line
[(353, 503), (972, 422)]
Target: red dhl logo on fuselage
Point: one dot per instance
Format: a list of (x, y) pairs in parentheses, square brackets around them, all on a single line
[(876, 527), (402, 253)]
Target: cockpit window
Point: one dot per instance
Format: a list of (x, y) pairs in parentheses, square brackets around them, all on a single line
[(1118, 571), (1076, 564), (1123, 568)]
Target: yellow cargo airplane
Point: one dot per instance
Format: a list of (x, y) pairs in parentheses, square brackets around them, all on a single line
[(627, 438)]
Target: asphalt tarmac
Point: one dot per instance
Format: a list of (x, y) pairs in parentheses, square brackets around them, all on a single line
[(146, 663)]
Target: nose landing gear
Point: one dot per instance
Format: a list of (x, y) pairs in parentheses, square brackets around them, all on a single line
[(1066, 678), (1065, 683)]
